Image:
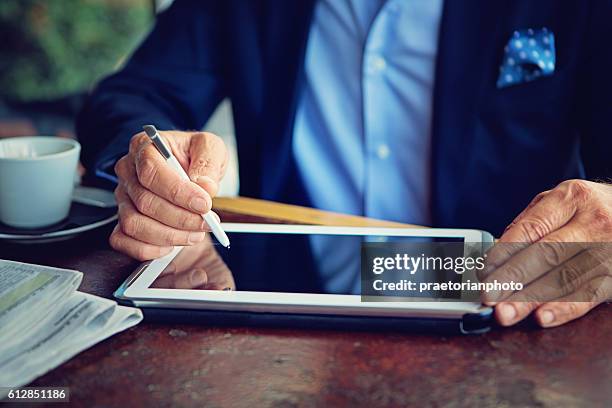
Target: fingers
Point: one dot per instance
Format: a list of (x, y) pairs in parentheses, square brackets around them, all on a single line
[(509, 313), (548, 211), (530, 263), (134, 248), (158, 177), (551, 211), (158, 209), (164, 211), (533, 202), (562, 281), (208, 163), (556, 257), (155, 206), (150, 231), (576, 305), (558, 313)]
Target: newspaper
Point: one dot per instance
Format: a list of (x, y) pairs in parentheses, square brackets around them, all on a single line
[(44, 320)]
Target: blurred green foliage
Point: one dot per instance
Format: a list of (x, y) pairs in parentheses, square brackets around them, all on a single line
[(50, 48)]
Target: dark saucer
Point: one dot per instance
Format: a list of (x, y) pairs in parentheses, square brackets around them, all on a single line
[(80, 219)]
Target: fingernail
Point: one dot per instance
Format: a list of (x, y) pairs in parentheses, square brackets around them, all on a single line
[(507, 312), (196, 237), (547, 317), (199, 205)]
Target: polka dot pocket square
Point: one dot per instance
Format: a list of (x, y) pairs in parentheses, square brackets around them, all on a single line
[(529, 55)]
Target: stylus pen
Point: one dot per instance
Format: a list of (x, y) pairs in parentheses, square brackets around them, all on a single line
[(165, 151)]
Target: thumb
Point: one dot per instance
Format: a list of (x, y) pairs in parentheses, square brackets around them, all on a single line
[(207, 161)]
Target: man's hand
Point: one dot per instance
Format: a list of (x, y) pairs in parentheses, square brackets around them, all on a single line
[(157, 209), (560, 248)]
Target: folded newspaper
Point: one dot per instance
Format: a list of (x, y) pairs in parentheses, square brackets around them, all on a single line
[(44, 320)]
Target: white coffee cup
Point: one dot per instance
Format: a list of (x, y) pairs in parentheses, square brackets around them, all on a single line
[(36, 180)]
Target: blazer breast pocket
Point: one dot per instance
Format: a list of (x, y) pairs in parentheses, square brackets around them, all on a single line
[(529, 55)]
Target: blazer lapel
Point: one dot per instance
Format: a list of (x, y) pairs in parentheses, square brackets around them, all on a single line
[(467, 62), (287, 29)]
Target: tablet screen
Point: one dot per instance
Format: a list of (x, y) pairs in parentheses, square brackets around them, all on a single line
[(277, 262)]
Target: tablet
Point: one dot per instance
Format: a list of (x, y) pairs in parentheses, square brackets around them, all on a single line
[(318, 276)]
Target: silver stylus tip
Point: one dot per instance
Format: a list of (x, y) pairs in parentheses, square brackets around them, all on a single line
[(157, 141), (150, 130)]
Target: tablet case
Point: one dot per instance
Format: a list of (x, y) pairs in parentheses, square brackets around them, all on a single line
[(469, 324)]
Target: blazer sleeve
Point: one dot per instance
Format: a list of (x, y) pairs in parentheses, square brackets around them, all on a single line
[(174, 80), (596, 88)]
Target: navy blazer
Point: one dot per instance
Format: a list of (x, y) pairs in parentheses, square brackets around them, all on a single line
[(493, 149)]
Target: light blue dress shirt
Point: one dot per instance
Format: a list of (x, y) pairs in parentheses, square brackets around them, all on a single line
[(363, 123)]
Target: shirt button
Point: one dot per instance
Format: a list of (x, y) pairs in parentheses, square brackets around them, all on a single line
[(383, 151), (377, 64)]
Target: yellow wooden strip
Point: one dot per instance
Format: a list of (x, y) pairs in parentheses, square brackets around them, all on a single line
[(297, 214)]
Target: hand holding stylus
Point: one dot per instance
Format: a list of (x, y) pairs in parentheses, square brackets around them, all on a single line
[(166, 152), (158, 209)]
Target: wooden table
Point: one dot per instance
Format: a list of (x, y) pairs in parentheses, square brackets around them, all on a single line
[(182, 365)]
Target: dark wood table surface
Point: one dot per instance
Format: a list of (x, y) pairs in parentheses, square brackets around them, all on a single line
[(164, 365)]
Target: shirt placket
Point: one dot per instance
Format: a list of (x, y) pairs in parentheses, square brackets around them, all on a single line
[(378, 149)]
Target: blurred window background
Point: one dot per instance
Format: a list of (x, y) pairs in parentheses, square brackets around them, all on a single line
[(54, 48), (52, 52)]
